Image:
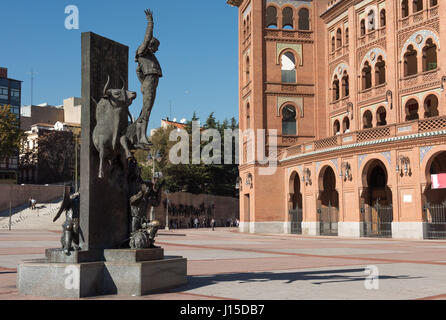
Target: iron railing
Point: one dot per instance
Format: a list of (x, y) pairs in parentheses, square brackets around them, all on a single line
[(436, 220), (328, 220), (296, 221), (377, 221)]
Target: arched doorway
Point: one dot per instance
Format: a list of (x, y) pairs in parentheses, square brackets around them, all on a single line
[(295, 204), (328, 203), (435, 198), (377, 201)]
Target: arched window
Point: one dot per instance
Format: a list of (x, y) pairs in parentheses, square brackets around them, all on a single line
[(371, 20), (271, 17), (244, 27), (380, 71), (336, 89), (412, 110), (429, 56), (366, 76), (382, 18), (336, 128), (248, 116), (288, 68), (362, 27), (431, 106), (405, 8), (338, 38), (367, 120), (289, 121), (248, 24), (381, 116), (345, 85), (333, 48), (346, 36), (417, 5), (247, 70), (287, 18), (346, 125), (410, 62), (433, 3), (304, 19)]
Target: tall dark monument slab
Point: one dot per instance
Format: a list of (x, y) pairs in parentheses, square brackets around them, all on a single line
[(104, 202)]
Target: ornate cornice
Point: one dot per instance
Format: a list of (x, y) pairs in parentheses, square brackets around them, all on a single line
[(234, 3)]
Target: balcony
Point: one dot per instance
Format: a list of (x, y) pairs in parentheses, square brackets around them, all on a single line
[(428, 78), (302, 35), (371, 93), (423, 126), (418, 17), (371, 36)]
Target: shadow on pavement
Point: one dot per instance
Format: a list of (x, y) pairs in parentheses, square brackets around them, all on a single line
[(316, 277)]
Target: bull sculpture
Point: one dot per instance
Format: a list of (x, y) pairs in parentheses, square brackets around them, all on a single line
[(112, 114)]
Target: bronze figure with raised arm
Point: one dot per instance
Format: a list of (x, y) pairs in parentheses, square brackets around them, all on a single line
[(149, 72)]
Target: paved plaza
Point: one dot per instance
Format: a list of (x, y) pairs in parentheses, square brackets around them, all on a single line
[(226, 264)]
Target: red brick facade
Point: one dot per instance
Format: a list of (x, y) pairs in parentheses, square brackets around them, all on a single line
[(355, 90)]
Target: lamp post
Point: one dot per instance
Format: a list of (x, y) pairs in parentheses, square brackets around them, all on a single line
[(153, 157), (167, 210)]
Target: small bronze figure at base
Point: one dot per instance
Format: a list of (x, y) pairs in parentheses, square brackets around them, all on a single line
[(71, 229)]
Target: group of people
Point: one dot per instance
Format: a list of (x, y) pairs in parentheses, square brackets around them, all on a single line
[(202, 222), (32, 203)]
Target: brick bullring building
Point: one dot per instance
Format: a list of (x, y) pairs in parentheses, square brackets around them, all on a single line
[(355, 90)]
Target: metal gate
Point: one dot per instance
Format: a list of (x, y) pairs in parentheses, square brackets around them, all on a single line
[(378, 221), (296, 221), (436, 220), (328, 220)]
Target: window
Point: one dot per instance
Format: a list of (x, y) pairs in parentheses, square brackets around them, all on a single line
[(287, 19), (304, 19), (271, 17), (338, 38), (346, 125), (346, 36), (288, 68), (367, 120), (335, 88), (405, 8), (412, 110), (410, 62), (431, 106), (362, 27), (366, 76), (336, 128), (382, 18), (333, 44), (417, 5), (247, 70), (4, 93), (380, 71), (345, 85), (248, 117), (371, 21), (429, 56), (289, 121), (433, 3), (381, 115)]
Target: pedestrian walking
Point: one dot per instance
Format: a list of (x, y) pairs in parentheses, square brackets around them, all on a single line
[(196, 223), (33, 204), (213, 224)]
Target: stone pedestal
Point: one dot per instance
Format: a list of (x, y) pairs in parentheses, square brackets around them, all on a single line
[(122, 272)]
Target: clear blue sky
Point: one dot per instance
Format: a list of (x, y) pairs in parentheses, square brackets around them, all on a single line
[(198, 52)]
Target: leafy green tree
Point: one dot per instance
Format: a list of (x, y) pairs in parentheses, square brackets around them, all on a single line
[(11, 137)]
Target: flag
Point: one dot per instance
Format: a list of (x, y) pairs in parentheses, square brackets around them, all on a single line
[(438, 181)]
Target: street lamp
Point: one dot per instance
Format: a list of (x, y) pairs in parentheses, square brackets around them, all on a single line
[(167, 210)]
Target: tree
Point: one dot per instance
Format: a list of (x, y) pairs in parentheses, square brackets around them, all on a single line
[(11, 136), (195, 178)]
